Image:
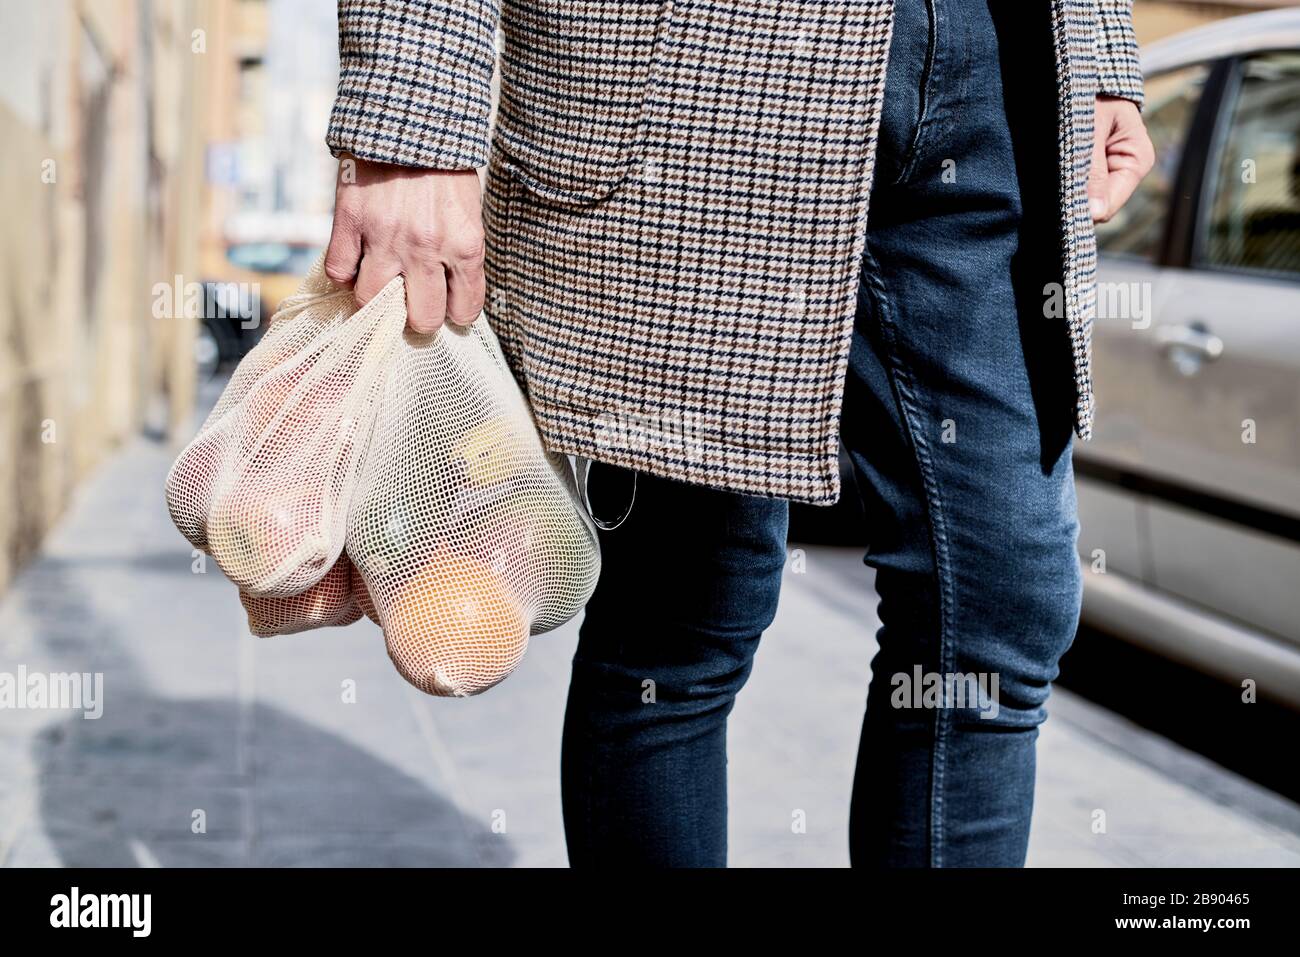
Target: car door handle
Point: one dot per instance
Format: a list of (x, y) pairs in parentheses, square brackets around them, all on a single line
[(1179, 341)]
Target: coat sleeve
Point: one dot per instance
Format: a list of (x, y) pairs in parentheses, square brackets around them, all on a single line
[(415, 81), (1119, 72)]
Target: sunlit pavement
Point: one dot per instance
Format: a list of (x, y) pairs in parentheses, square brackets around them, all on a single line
[(217, 748)]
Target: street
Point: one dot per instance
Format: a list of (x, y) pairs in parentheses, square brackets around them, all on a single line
[(215, 748)]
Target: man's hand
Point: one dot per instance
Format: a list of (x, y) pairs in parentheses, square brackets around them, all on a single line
[(1121, 155), (423, 224)]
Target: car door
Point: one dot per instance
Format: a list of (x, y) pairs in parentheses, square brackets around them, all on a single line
[(1132, 249), (1220, 408)]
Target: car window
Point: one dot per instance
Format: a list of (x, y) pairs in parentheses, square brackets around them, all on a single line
[(1137, 229), (260, 257), (1254, 214)]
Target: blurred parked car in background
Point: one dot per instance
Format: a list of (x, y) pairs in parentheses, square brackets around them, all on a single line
[(234, 319), (277, 267), (1189, 492), (257, 263)]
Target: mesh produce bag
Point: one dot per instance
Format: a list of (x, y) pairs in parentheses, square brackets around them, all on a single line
[(265, 486), (468, 535), (463, 535), (339, 598)]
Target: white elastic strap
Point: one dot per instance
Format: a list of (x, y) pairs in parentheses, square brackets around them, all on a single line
[(583, 466)]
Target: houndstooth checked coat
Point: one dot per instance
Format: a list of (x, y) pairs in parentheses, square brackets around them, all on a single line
[(676, 204)]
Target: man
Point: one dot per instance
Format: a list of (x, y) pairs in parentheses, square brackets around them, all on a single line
[(683, 274)]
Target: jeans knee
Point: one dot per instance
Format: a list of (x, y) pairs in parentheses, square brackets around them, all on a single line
[(1034, 625)]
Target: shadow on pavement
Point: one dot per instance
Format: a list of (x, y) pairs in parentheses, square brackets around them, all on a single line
[(269, 789), (174, 781)]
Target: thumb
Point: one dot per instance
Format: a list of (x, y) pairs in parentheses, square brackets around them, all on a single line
[(1098, 182), (1120, 184)]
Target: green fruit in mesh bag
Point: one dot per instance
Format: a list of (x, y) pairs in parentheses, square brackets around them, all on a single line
[(388, 531)]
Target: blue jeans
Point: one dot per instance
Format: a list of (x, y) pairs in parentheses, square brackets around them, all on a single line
[(957, 416)]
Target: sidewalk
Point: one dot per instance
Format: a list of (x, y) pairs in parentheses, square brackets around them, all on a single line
[(253, 738)]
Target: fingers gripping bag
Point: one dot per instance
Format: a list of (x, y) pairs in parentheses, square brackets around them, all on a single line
[(265, 486)]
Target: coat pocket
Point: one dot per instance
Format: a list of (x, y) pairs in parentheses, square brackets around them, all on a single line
[(577, 80)]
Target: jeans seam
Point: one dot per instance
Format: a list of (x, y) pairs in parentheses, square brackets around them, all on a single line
[(909, 161), (900, 378)]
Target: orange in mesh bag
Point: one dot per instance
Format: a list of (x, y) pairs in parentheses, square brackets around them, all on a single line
[(464, 536)]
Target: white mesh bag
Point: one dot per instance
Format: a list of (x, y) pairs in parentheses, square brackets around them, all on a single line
[(337, 599), (467, 534), (464, 536), (265, 486)]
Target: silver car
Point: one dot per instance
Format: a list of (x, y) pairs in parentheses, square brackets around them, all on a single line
[(1189, 493)]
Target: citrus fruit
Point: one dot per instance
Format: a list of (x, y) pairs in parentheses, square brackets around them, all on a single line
[(454, 628)]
